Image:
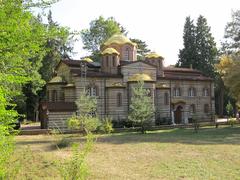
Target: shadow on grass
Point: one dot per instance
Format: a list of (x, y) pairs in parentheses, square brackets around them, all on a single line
[(223, 135), (205, 136)]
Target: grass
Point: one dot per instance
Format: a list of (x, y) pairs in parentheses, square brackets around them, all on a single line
[(165, 154)]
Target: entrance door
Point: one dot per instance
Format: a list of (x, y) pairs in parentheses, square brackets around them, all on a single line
[(178, 115)]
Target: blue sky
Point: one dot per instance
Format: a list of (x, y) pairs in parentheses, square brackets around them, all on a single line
[(159, 23)]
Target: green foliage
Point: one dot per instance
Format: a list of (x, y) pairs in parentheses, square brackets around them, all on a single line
[(232, 121), (106, 125), (21, 51), (86, 104), (199, 47), (229, 109), (6, 149), (187, 55), (84, 123), (141, 108), (195, 123), (99, 31), (232, 35), (142, 47), (76, 168), (58, 45)]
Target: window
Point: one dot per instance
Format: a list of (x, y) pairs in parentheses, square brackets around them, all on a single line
[(119, 99), (192, 108), (205, 92), (176, 91), (107, 63), (113, 61), (92, 91), (62, 96), (206, 108), (54, 96), (127, 54), (166, 98), (191, 92), (48, 98)]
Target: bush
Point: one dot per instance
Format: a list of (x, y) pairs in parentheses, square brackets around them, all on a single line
[(106, 126), (63, 142), (232, 121), (84, 123), (76, 168)]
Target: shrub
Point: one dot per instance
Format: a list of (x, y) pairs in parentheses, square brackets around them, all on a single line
[(232, 121), (63, 142), (106, 126), (76, 168), (84, 123)]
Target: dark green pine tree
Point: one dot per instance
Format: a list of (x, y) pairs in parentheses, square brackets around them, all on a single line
[(205, 47), (187, 55)]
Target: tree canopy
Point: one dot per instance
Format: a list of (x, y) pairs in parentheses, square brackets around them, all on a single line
[(199, 49), (100, 30)]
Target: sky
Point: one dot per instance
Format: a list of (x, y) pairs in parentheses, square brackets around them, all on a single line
[(157, 22)]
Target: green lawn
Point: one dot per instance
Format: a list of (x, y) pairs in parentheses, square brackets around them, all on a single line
[(165, 154)]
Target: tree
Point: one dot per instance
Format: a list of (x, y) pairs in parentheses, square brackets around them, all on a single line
[(229, 109), (205, 47), (232, 34), (142, 48), (86, 119), (228, 67), (141, 108), (187, 55), (199, 47), (99, 31), (58, 46), (21, 41)]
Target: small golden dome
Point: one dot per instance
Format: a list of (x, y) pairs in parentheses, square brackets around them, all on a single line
[(110, 51), (88, 60), (56, 79), (153, 55), (118, 39), (140, 77)]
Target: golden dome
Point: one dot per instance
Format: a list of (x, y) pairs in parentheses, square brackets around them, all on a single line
[(88, 60), (110, 51), (118, 39), (153, 55), (56, 79), (140, 77)]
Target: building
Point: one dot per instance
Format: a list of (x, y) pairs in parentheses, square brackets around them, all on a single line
[(177, 93)]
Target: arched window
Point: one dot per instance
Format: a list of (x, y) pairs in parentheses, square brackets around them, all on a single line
[(127, 54), (119, 99), (92, 91), (176, 91), (206, 108), (54, 96), (114, 62), (205, 92), (191, 92), (166, 98), (192, 108), (107, 62), (48, 99)]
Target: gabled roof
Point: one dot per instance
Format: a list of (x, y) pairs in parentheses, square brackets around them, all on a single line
[(76, 63), (125, 63)]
